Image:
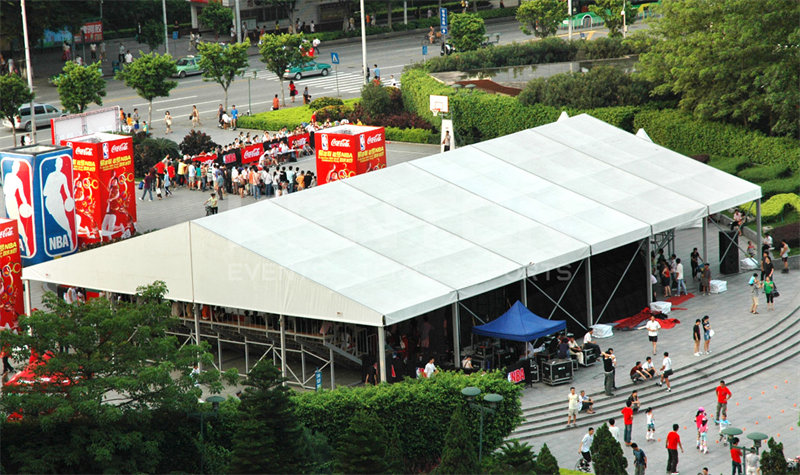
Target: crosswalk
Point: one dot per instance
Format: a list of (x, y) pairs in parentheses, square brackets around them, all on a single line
[(348, 82)]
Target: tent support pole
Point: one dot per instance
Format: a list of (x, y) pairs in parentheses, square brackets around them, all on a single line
[(557, 304), (457, 335), (649, 267), (196, 309), (303, 364), (589, 307), (283, 348), (758, 229), (382, 351), (246, 357), (524, 291), (705, 240), (333, 378), (219, 352), (27, 285)]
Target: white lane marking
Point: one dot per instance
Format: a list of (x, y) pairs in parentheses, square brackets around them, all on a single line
[(166, 100)]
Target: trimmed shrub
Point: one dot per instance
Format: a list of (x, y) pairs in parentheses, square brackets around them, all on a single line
[(276, 120), (375, 99), (363, 446), (780, 185), (334, 113), (467, 31), (775, 207), (546, 463), (681, 132), (459, 454), (730, 165), (196, 142), (602, 86), (324, 102), (411, 135), (415, 409), (762, 173), (607, 455), (548, 50)]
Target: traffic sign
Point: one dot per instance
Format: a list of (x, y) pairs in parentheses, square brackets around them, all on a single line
[(444, 30), (335, 58), (424, 50), (443, 17), (318, 380)]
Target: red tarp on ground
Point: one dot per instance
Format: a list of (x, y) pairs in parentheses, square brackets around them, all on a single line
[(632, 322)]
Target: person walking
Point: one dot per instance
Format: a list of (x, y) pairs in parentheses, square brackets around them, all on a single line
[(736, 458), (614, 431), (167, 123), (769, 291), (767, 269), (708, 333), (651, 425), (666, 371), (446, 141), (572, 407), (609, 362), (639, 460), (586, 446), (755, 289), (723, 395), (292, 90), (652, 327), (195, 116), (627, 421), (666, 281), (784, 252), (672, 445), (149, 181), (306, 96), (697, 336)]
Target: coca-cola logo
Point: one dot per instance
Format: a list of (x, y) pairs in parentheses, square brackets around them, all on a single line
[(254, 152), (120, 147), (340, 142), (7, 232), (375, 138), (87, 151)]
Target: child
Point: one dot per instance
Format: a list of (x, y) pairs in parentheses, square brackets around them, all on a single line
[(167, 183), (703, 429), (651, 425), (698, 421), (723, 423)]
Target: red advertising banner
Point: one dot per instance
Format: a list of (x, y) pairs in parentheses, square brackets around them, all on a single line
[(11, 292), (105, 192), (298, 140), (349, 150), (93, 31), (118, 189), (252, 153)]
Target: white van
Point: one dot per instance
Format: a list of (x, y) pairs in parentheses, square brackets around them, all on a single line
[(44, 112)]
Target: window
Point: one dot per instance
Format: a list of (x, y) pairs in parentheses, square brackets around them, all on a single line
[(39, 110), (51, 109)]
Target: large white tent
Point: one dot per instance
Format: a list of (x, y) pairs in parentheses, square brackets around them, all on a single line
[(398, 242)]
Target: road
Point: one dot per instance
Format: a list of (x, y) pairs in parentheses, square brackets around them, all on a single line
[(391, 54)]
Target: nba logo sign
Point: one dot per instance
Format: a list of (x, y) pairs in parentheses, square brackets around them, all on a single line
[(362, 141), (18, 196), (324, 140), (58, 205), (105, 150)]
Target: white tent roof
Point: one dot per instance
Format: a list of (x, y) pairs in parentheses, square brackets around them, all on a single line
[(395, 243)]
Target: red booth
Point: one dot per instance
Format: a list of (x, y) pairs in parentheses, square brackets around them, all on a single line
[(104, 187), (348, 150)]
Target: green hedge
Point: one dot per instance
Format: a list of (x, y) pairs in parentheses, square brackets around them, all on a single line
[(411, 135), (731, 165), (683, 133), (780, 185), (289, 117), (418, 410), (480, 116), (774, 208), (762, 173)]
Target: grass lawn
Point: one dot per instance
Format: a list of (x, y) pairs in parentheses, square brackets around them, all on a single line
[(289, 117)]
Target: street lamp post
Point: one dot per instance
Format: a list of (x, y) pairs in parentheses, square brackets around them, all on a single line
[(488, 405), (624, 20), (756, 437), (249, 104), (214, 400)]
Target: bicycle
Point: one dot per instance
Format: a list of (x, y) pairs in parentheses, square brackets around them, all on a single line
[(582, 465)]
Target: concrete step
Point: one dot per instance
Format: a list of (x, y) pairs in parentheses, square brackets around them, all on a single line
[(748, 362), (696, 369)]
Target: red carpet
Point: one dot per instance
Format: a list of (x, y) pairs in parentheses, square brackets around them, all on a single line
[(632, 322), (679, 300)]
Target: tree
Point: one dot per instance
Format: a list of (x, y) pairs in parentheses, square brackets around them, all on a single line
[(269, 436), (773, 462), (196, 142), (148, 75), (363, 446), (546, 463), (726, 66), (375, 99), (79, 86), (279, 52), (607, 455), (152, 34), (119, 371), (610, 12), (459, 454), (216, 17), (515, 457), (541, 17), (222, 64), (14, 92), (467, 30)]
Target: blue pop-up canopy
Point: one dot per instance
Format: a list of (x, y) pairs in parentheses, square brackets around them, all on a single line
[(519, 324)]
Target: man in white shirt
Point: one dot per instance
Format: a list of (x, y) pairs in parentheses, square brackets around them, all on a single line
[(614, 431), (666, 371), (266, 179), (430, 369), (589, 343), (652, 327), (679, 277), (573, 406)]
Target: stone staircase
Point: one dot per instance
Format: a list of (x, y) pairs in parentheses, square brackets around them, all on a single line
[(777, 342)]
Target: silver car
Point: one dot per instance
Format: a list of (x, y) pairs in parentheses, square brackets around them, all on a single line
[(44, 112)]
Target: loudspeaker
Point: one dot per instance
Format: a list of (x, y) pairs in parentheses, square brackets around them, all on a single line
[(729, 252)]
